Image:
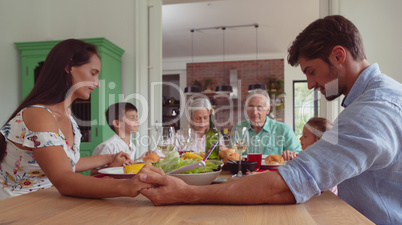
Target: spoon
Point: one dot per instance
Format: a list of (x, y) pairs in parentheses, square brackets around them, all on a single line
[(195, 165)]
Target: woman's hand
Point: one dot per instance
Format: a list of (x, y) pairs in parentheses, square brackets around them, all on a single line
[(136, 185), (120, 159), (288, 155), (165, 189)]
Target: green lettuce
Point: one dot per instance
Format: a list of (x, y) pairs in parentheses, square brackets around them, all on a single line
[(173, 161)]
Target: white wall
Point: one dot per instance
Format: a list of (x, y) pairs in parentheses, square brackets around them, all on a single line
[(26, 20), (379, 22)]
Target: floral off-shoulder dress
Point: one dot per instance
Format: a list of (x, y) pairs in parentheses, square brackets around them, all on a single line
[(19, 171)]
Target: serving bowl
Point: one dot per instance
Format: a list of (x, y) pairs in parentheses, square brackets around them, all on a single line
[(246, 166), (198, 178)]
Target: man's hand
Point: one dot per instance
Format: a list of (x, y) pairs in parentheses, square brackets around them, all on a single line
[(136, 185), (166, 189)]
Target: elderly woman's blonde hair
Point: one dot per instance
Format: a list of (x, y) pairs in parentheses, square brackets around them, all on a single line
[(194, 105)]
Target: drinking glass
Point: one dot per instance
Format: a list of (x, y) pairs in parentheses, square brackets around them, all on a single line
[(254, 152), (185, 138), (239, 140), (166, 139)]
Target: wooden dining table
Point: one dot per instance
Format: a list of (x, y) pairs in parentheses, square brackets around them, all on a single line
[(49, 207)]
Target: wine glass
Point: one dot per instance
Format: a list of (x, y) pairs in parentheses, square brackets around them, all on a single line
[(185, 137), (166, 139), (239, 140)]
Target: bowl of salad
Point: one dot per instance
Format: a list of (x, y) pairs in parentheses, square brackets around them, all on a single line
[(200, 176)]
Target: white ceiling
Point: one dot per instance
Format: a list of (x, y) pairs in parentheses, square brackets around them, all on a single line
[(279, 23)]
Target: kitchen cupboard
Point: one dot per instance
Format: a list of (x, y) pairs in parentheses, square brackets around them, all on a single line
[(89, 114)]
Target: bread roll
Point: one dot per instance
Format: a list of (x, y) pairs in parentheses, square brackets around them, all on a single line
[(234, 156), (274, 160), (151, 157), (224, 153)]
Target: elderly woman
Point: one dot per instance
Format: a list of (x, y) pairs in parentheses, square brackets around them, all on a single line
[(197, 119)]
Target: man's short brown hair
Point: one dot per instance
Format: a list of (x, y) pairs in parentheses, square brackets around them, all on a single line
[(320, 37)]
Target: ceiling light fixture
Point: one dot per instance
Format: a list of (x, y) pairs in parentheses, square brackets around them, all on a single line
[(220, 88), (257, 86), (223, 88), (192, 89)]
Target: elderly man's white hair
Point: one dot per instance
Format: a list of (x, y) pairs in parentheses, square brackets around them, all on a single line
[(196, 104), (257, 93)]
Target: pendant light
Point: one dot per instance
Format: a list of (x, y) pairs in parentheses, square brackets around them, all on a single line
[(192, 89), (223, 88), (257, 86)]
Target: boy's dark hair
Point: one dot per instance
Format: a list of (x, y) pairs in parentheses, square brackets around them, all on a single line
[(116, 112), (320, 37)]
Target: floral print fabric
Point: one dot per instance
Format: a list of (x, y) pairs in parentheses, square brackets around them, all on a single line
[(19, 171)]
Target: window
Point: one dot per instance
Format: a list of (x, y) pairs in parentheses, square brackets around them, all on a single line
[(306, 104)]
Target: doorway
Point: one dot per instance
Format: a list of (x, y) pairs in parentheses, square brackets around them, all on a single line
[(171, 100)]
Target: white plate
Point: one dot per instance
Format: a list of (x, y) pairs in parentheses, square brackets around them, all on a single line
[(264, 163), (265, 166), (116, 172)]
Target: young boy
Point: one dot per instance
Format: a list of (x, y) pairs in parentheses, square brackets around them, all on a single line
[(122, 119)]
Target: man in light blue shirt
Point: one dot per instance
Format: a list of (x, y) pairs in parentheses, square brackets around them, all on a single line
[(361, 154), (276, 137)]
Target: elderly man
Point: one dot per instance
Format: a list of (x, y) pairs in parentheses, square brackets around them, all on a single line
[(361, 154), (276, 137)]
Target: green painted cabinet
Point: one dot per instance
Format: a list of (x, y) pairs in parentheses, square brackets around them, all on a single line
[(89, 114)]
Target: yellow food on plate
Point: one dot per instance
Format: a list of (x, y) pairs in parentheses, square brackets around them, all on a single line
[(190, 155), (200, 153), (134, 168), (274, 160)]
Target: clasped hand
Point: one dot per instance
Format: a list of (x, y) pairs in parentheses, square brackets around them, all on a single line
[(160, 188), (121, 159), (288, 155)]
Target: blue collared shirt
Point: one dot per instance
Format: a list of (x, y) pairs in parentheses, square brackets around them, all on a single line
[(275, 137), (361, 154)]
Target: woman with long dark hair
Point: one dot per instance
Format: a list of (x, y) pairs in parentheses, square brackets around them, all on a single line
[(39, 144)]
